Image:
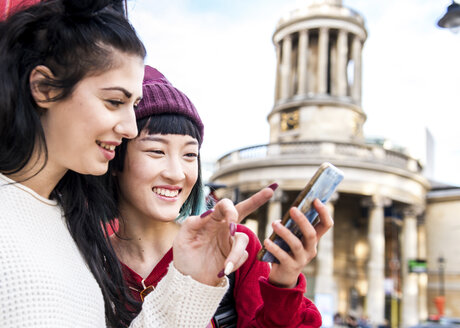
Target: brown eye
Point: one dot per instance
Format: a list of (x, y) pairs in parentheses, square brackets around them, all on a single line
[(115, 103), (191, 155)]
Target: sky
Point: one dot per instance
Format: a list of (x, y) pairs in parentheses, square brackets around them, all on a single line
[(220, 53)]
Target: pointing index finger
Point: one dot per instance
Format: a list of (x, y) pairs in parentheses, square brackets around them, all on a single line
[(249, 205)]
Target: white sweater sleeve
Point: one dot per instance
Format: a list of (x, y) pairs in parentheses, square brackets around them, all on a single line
[(179, 301)]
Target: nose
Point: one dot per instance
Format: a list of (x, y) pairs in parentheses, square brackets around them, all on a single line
[(174, 171), (127, 126)]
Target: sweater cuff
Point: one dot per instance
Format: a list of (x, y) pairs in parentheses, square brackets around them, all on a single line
[(182, 301), (281, 303), (300, 287)]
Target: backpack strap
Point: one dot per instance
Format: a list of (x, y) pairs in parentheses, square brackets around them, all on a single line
[(226, 316)]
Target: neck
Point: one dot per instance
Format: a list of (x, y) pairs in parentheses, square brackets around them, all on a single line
[(143, 242), (39, 178)]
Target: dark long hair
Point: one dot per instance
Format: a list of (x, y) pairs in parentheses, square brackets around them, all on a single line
[(163, 124), (74, 39)]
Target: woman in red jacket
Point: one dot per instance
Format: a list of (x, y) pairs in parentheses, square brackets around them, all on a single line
[(157, 183)]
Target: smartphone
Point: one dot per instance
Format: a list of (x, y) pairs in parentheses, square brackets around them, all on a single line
[(322, 185)]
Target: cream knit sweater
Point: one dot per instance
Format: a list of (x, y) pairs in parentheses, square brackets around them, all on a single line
[(44, 280)]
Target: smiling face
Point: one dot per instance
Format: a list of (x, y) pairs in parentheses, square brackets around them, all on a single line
[(158, 175), (83, 129)]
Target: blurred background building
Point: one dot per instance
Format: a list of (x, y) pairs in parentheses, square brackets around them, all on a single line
[(390, 253)]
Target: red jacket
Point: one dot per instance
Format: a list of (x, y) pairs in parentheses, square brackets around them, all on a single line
[(258, 303)]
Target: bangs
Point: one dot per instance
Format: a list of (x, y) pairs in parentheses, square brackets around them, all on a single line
[(169, 124)]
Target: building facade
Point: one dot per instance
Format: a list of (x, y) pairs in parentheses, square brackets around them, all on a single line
[(363, 264), (442, 226)]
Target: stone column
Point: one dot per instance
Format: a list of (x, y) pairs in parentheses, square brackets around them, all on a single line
[(274, 211), (302, 62), (409, 280), (375, 299), (422, 277), (278, 72), (323, 54), (356, 55), (342, 59), (325, 285), (285, 82)]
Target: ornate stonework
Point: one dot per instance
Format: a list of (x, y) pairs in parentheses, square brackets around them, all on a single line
[(317, 117)]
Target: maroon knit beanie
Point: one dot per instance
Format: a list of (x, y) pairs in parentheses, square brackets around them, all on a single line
[(161, 97)]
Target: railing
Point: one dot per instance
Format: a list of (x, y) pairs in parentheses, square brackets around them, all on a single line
[(333, 151)]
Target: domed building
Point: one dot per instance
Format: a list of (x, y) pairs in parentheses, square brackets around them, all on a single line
[(362, 267)]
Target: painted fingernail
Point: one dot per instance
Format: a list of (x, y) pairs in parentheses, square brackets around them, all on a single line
[(273, 186), (228, 268), (232, 229), (205, 214), (221, 274)]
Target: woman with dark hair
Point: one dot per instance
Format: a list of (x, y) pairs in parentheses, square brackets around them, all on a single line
[(156, 181), (71, 73)]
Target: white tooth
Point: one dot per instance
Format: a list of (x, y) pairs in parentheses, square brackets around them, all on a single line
[(165, 192), (105, 146)]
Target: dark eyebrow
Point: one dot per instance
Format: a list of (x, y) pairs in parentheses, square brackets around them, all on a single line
[(165, 140), (126, 92), (152, 138)]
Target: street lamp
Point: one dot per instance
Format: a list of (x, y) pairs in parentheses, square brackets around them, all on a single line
[(441, 262), (440, 300), (451, 18)]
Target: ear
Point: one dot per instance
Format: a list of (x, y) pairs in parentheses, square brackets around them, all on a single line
[(39, 90)]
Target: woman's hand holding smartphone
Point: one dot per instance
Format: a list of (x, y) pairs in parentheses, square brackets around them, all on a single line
[(293, 242), (285, 273)]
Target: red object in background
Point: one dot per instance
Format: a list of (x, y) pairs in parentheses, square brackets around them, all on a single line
[(439, 301), (8, 7)]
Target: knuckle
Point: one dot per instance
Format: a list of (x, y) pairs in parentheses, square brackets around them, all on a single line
[(245, 256), (314, 252), (310, 234), (242, 237), (297, 246)]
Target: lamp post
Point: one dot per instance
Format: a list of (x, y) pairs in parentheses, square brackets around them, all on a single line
[(451, 18), (441, 262), (440, 300)]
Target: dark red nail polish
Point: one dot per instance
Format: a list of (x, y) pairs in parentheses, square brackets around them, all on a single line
[(273, 186), (221, 274), (205, 214), (232, 229)]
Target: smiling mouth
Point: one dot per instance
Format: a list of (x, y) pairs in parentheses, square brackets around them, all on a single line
[(166, 192), (106, 146)]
